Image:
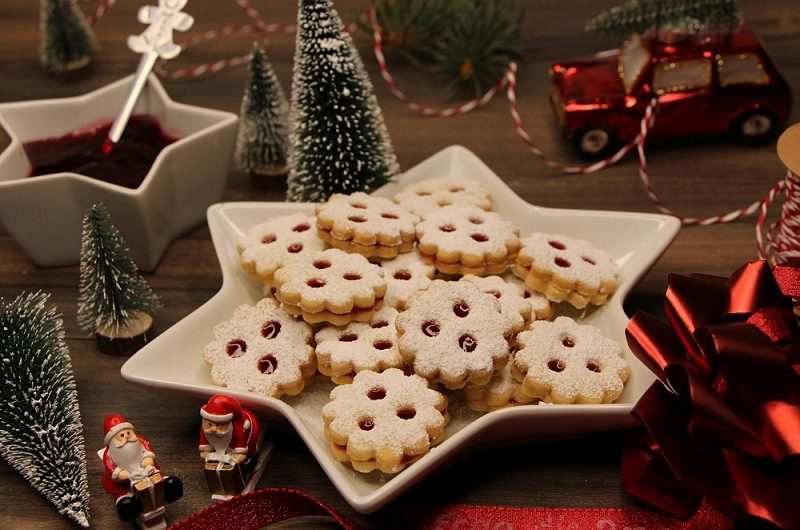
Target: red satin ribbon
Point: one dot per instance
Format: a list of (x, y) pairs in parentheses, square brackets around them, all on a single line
[(267, 506), (261, 508), (725, 425)]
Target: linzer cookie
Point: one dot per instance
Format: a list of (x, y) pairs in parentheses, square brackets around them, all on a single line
[(405, 275), (384, 420), (270, 244), (425, 196), (568, 269), (512, 304), (541, 308), (468, 240), (330, 286), (261, 349), (566, 362), (502, 391), (366, 225), (454, 334), (344, 352)]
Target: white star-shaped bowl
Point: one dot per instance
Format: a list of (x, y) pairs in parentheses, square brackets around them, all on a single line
[(173, 361), (44, 213)]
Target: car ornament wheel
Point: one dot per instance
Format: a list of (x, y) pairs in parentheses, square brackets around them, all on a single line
[(594, 141), (756, 125)]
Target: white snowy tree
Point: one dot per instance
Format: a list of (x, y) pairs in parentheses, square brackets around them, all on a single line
[(339, 143), (41, 434), (262, 145)]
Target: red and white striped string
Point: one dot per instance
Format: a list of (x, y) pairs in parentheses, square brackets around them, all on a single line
[(647, 122), (779, 242)]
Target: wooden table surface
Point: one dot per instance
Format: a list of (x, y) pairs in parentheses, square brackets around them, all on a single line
[(695, 178)]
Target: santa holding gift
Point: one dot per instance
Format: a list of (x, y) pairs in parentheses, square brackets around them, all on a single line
[(128, 458), (230, 438)]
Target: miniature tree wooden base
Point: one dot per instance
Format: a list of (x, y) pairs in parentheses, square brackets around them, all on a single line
[(269, 171), (128, 339)]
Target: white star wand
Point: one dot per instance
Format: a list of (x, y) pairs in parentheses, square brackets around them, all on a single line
[(154, 43)]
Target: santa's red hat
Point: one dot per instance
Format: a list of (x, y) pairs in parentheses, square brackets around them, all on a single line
[(222, 409), (113, 424)]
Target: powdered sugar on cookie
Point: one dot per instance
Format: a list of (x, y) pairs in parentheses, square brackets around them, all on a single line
[(428, 195), (384, 420), (512, 304), (469, 239), (343, 352), (268, 245), (405, 275), (366, 220), (566, 362), (541, 308), (453, 333), (331, 280), (261, 349)]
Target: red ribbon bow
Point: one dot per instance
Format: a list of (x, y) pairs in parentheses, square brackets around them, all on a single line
[(725, 423)]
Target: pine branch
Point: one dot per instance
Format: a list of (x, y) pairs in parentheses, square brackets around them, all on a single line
[(474, 49), (41, 434)]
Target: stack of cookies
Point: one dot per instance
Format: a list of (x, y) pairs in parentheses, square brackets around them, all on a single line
[(405, 302)]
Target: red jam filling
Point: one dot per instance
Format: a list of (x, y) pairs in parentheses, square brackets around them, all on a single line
[(127, 163)]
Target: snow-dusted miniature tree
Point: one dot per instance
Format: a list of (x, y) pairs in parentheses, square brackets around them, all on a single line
[(66, 40), (262, 145), (41, 434), (339, 141), (112, 292), (639, 16)]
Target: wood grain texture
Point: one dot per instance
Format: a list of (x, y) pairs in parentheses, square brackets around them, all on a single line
[(696, 179)]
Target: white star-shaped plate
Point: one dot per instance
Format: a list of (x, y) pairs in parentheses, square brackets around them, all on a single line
[(173, 361)]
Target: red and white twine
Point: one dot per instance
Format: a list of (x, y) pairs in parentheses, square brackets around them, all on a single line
[(778, 243)]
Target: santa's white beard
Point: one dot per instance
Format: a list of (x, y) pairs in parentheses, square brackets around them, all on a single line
[(128, 457), (220, 443)]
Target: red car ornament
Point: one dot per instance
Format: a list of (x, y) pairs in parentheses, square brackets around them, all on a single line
[(704, 83)]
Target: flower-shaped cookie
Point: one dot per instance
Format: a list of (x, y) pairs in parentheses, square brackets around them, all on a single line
[(568, 269), (384, 420), (566, 362), (330, 286), (270, 244), (343, 352), (261, 349), (502, 391), (428, 195), (366, 225), (512, 304), (454, 334), (468, 240), (405, 275), (541, 308)]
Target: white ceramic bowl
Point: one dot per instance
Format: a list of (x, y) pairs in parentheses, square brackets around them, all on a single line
[(44, 214), (173, 361)]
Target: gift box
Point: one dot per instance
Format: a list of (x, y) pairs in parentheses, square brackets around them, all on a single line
[(224, 479), (150, 493)]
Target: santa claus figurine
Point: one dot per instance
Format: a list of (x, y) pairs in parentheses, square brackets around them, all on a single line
[(128, 459), (230, 440)]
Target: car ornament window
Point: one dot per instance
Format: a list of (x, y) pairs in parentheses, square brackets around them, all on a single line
[(632, 60), (677, 76)]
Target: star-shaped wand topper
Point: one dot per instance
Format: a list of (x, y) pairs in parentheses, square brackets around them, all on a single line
[(154, 43)]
